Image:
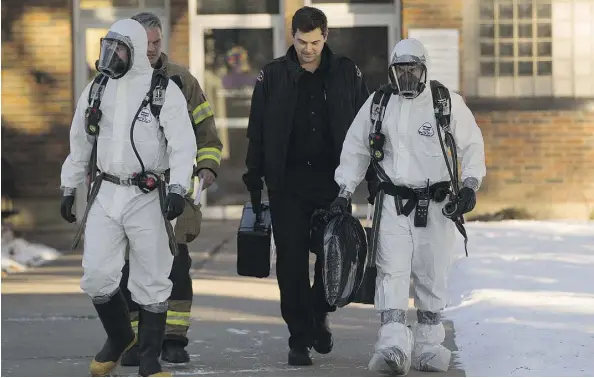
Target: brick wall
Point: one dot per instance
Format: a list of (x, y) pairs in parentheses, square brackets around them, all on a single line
[(36, 91), (540, 161), (179, 40)]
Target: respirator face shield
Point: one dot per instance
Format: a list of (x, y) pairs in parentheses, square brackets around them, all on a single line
[(408, 75), (116, 57)]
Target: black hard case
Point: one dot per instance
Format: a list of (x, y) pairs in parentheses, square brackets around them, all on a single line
[(253, 242)]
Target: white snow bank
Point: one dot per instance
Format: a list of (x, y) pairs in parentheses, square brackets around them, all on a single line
[(523, 302)]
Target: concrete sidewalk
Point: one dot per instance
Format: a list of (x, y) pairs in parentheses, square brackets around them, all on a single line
[(50, 328)]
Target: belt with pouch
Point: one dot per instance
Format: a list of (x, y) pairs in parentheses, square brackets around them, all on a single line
[(417, 198), (146, 182)]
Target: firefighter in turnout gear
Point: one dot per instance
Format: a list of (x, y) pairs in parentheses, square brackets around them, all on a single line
[(187, 226)]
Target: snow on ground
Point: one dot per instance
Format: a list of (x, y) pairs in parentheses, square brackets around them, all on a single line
[(522, 303), (18, 254)]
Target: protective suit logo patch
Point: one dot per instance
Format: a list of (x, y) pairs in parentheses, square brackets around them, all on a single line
[(426, 130), (145, 116)]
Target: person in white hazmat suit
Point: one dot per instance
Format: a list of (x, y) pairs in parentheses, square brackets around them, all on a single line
[(412, 155), (121, 212)]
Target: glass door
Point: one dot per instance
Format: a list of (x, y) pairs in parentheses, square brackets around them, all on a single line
[(230, 43)]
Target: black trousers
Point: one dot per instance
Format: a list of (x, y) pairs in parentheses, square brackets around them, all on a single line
[(180, 300), (291, 211)]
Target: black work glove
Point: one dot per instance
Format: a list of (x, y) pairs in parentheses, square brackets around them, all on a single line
[(339, 205), (174, 205), (372, 188), (465, 202), (256, 199), (66, 209)]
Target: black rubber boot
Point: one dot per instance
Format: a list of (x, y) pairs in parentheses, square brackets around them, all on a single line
[(120, 337), (323, 341), (300, 357), (151, 331), (132, 356), (174, 352)]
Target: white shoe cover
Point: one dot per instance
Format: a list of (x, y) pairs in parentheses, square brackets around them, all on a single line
[(395, 359), (428, 354)]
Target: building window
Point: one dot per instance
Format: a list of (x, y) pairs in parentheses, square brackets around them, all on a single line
[(516, 38), (529, 48)]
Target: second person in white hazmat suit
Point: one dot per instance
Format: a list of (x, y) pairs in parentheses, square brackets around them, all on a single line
[(413, 159), (134, 150)]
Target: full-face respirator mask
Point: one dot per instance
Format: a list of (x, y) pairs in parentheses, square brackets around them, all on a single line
[(117, 55), (408, 75)]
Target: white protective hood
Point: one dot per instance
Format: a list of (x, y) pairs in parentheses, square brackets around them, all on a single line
[(137, 34), (414, 47)]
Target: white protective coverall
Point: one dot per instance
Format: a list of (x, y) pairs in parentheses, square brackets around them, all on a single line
[(122, 214), (412, 157)]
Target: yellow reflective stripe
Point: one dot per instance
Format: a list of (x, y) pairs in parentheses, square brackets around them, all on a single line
[(178, 313), (211, 157), (208, 153), (178, 318), (134, 323), (179, 322), (202, 112)]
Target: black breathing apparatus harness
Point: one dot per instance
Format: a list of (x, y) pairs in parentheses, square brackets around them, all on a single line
[(419, 198), (145, 180)]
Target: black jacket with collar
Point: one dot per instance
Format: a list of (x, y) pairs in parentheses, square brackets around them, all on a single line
[(273, 106)]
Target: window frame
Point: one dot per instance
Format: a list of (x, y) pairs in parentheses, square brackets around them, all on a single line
[(568, 60), (503, 86)]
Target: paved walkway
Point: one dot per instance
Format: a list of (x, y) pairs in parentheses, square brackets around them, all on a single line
[(49, 328)]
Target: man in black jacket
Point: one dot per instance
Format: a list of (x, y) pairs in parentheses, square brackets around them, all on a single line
[(302, 106)]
